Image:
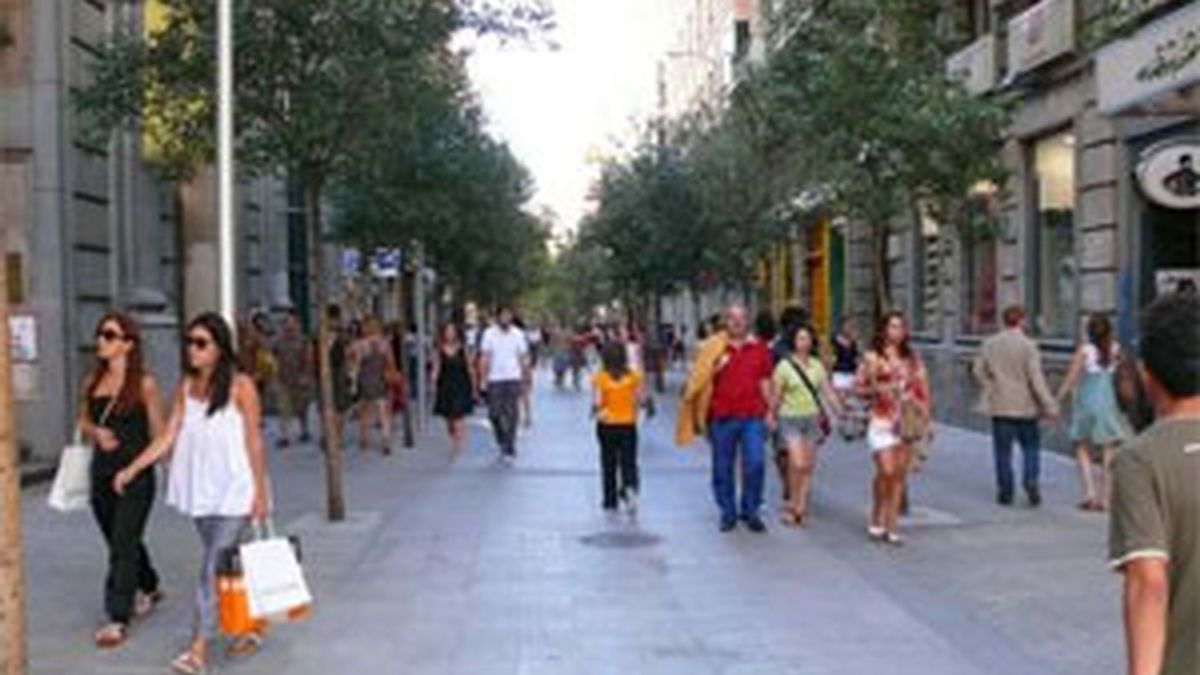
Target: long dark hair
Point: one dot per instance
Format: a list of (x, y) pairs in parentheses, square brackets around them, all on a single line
[(879, 343), (615, 358), (1099, 332), (130, 396), (221, 386)]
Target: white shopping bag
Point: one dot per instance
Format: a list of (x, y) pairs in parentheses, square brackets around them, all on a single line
[(72, 488), (274, 581)]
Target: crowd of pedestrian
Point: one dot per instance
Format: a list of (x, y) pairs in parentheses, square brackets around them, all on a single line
[(753, 386)]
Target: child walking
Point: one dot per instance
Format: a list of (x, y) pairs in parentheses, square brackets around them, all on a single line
[(618, 395)]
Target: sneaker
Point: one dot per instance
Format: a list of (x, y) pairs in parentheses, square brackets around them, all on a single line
[(630, 501), (756, 525), (1004, 499), (728, 524)]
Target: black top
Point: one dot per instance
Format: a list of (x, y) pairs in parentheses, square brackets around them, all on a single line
[(845, 356), (132, 429), (455, 397)]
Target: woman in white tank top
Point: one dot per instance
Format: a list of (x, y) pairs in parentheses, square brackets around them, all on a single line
[(218, 475)]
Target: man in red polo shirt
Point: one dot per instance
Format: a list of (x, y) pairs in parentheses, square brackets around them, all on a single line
[(737, 422)]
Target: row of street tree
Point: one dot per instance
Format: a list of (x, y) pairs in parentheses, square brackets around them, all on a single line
[(852, 114), (366, 104)]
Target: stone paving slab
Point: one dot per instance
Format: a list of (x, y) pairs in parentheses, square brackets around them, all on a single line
[(474, 568)]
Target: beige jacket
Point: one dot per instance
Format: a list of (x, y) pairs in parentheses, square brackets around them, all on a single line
[(1009, 369), (697, 393)]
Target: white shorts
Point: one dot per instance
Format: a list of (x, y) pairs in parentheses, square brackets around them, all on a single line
[(843, 381), (882, 437)]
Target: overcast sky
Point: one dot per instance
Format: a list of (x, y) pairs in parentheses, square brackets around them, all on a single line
[(560, 110)]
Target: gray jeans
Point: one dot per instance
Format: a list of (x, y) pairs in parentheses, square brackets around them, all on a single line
[(504, 402), (217, 533)]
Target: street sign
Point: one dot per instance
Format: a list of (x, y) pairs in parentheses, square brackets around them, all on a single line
[(385, 263)]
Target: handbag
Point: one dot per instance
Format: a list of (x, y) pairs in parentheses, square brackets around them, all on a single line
[(823, 422), (233, 605), (914, 426), (274, 581), (72, 487)]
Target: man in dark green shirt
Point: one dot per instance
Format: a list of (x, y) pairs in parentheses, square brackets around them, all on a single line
[(1154, 535)]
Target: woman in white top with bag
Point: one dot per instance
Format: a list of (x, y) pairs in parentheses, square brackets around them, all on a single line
[(218, 473)]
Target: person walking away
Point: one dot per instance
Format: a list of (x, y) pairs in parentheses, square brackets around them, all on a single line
[(801, 396), (1015, 395), (1154, 529), (741, 391), (294, 349), (339, 370), (375, 369), (578, 356), (454, 399), (895, 380), (1096, 420), (505, 368), (619, 393), (121, 413), (218, 472), (532, 339)]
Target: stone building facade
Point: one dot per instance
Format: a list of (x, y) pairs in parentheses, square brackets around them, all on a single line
[(90, 228)]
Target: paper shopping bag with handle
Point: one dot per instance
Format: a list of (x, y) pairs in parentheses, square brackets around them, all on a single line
[(275, 584)]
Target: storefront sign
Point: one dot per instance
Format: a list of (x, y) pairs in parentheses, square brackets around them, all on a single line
[(1120, 66), (1169, 173), (1041, 34), (385, 264), (22, 338), (1176, 280), (975, 66), (351, 262)]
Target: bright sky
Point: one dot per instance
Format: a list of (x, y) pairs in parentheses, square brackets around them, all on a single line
[(561, 110)]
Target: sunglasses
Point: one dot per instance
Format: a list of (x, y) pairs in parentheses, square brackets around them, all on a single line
[(110, 335), (198, 343)]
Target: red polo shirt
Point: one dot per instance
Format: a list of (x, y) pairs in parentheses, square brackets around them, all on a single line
[(737, 386)]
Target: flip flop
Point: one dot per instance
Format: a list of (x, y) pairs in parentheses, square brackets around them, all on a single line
[(146, 604), (188, 663)]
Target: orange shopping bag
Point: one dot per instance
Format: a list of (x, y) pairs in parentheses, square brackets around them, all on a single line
[(232, 604)]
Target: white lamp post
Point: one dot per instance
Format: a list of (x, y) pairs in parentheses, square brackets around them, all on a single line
[(226, 270)]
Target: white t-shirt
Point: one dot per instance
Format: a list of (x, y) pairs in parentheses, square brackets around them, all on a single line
[(505, 349)]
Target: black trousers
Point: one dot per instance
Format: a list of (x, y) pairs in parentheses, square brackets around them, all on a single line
[(618, 461), (122, 519)]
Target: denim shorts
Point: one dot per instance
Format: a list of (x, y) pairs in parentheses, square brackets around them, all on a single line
[(794, 429)]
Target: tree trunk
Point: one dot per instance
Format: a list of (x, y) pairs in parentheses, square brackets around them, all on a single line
[(334, 486), (402, 319), (883, 300), (12, 557)]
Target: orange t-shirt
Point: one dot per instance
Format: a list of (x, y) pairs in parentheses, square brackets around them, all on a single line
[(618, 398)]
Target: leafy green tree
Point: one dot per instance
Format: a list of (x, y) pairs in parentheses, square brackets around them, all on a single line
[(856, 107), (310, 77)]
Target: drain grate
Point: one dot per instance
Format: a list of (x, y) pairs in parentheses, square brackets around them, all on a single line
[(621, 540)]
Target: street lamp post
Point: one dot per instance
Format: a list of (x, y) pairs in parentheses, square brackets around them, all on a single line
[(227, 275)]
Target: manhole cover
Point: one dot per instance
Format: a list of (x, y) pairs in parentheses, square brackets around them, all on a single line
[(621, 539)]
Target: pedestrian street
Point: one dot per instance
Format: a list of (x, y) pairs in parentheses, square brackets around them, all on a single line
[(478, 569)]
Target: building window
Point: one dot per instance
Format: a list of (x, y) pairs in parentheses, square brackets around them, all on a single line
[(1052, 244), (930, 271), (980, 309)]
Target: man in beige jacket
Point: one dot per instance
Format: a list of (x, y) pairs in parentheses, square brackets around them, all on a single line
[(1015, 395)]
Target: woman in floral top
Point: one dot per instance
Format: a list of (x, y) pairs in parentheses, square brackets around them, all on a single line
[(892, 377)]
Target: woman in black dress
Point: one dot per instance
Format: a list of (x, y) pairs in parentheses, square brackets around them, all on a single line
[(455, 385), (122, 411)]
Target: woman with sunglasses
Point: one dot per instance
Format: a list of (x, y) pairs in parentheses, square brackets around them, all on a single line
[(218, 474), (121, 411)]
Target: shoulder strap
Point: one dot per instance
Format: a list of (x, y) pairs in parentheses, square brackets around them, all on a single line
[(807, 382)]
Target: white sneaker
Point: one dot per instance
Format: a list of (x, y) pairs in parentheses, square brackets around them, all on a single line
[(630, 501)]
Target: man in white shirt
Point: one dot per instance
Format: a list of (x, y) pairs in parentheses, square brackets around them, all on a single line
[(504, 369)]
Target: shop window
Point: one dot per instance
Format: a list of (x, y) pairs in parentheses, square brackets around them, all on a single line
[(1052, 241), (980, 309)]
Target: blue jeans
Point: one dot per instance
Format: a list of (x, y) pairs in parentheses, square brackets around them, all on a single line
[(1005, 430), (729, 437)]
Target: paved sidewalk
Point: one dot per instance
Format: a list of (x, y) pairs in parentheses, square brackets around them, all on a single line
[(478, 569)]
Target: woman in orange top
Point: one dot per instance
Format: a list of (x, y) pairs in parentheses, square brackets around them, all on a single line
[(619, 394)]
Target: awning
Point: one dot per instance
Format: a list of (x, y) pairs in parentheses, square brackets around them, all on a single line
[(1126, 86)]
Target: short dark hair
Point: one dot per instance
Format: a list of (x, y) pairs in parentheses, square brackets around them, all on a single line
[(1013, 315), (1170, 343), (765, 326), (615, 358)]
